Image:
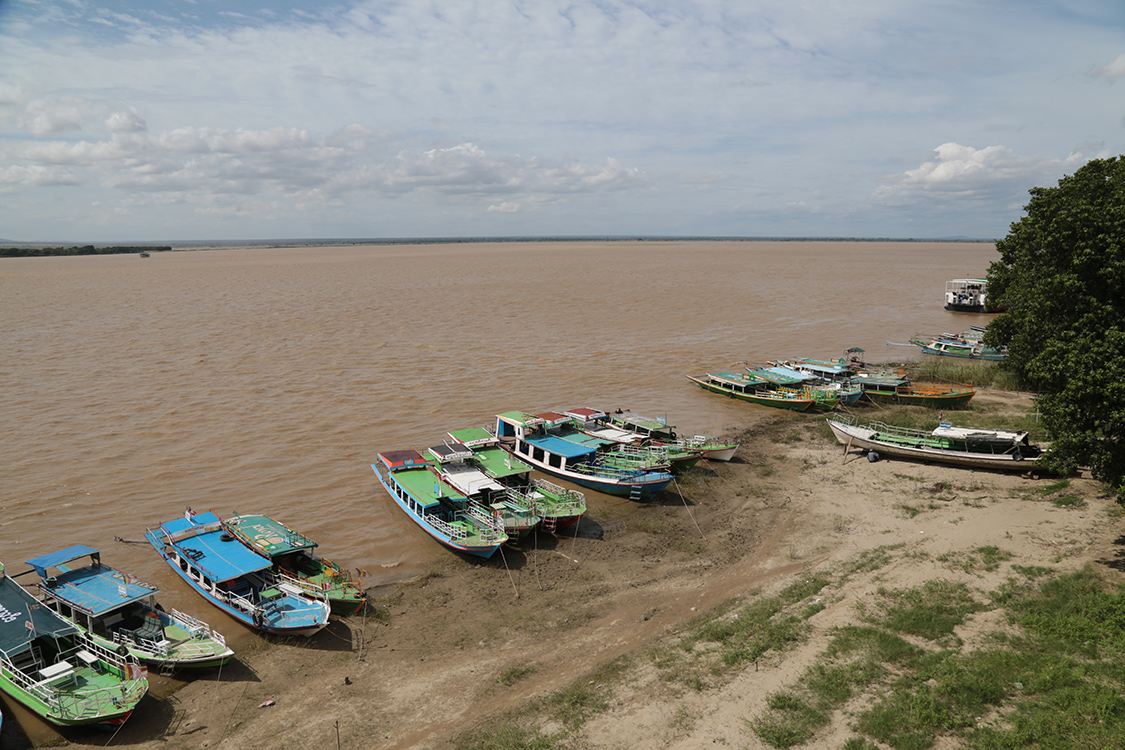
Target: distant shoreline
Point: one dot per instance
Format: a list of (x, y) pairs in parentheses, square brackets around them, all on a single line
[(10, 248)]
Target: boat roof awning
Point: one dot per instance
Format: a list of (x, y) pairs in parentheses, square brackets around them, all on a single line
[(584, 413), (446, 452), (561, 447), (270, 537), (22, 618), (974, 435), (497, 462), (554, 418), (889, 380), (402, 459), (647, 423), (61, 557), (470, 482), (474, 437)]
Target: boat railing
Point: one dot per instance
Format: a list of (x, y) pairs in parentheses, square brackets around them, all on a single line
[(157, 648), (196, 628), (318, 591), (295, 617), (565, 501), (487, 526), (23, 680)]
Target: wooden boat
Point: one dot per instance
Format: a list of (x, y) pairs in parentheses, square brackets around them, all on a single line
[(650, 455), (899, 389), (659, 432), (235, 578), (965, 345), (294, 561), (118, 611), (973, 448), (556, 506), (528, 438), (825, 396), (755, 390), (455, 463), (57, 671), (441, 511)]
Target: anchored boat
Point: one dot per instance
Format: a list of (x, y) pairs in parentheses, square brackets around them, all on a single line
[(447, 515), (965, 345), (960, 446), (295, 563), (119, 611), (454, 462), (659, 432), (557, 506), (899, 389), (57, 671), (528, 438), (235, 578), (595, 423), (746, 387)]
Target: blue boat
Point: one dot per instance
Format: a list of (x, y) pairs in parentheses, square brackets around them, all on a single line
[(528, 438), (449, 516), (58, 672), (235, 578), (119, 611)]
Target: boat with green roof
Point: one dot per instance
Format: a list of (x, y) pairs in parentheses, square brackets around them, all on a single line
[(119, 611), (294, 561), (660, 432), (596, 424), (447, 515), (456, 465), (58, 672), (747, 387), (557, 507)]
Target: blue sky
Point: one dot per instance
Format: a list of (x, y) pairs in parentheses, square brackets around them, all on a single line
[(245, 119)]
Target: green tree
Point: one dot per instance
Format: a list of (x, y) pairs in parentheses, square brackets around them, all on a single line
[(1061, 277)]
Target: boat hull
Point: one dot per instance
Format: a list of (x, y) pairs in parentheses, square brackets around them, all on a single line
[(955, 400), (864, 438), (792, 404)]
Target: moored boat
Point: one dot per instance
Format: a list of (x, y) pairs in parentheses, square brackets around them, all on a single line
[(649, 454), (294, 561), (965, 345), (960, 446), (556, 506), (899, 389), (659, 432), (528, 438), (119, 611), (967, 295), (57, 671), (441, 511), (825, 396), (235, 578), (746, 387), (454, 462)]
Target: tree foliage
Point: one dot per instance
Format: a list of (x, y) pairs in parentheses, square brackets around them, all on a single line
[(1061, 278)]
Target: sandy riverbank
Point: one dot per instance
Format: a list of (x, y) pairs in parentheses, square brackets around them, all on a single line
[(469, 641)]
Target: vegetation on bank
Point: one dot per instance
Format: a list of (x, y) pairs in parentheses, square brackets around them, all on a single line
[(37, 252), (1061, 279)]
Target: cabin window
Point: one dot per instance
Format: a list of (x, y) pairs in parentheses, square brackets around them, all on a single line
[(555, 461), (523, 448), (183, 565), (537, 454)]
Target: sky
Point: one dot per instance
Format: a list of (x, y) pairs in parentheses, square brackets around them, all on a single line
[(174, 120)]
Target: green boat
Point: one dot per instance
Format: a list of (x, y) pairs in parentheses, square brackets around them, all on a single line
[(119, 612), (291, 553), (632, 448), (556, 506), (454, 462), (899, 389), (746, 387), (658, 431), (57, 671)]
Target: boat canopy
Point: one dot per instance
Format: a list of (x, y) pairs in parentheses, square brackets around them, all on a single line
[(402, 459), (561, 447), (474, 437), (94, 589), (647, 423), (891, 381), (469, 481), (270, 537), (974, 435), (585, 414), (498, 463), (553, 418), (22, 619), (216, 553), (455, 452)]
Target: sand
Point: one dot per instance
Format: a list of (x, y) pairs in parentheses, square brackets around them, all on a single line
[(471, 642)]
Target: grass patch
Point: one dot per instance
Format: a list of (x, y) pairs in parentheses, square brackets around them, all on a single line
[(930, 611), (978, 559), (515, 673)]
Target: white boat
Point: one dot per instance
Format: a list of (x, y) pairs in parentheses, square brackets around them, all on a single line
[(967, 295), (960, 446)]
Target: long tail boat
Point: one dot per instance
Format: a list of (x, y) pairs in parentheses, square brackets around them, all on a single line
[(527, 437), (746, 387), (294, 561), (234, 577), (441, 511), (557, 506), (960, 446), (899, 389), (118, 611), (58, 672)]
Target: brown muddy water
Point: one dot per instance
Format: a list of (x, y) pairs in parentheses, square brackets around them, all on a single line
[(266, 380)]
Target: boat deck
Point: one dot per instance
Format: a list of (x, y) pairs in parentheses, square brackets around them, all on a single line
[(426, 487), (500, 464), (214, 551)]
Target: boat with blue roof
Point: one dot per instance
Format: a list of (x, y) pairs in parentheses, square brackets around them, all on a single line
[(443, 512), (235, 578), (119, 611), (57, 671), (556, 506), (529, 438)]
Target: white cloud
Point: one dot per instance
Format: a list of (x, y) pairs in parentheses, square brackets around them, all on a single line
[(126, 121), (1115, 69)]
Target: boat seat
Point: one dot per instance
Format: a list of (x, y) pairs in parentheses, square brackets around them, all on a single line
[(150, 630)]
